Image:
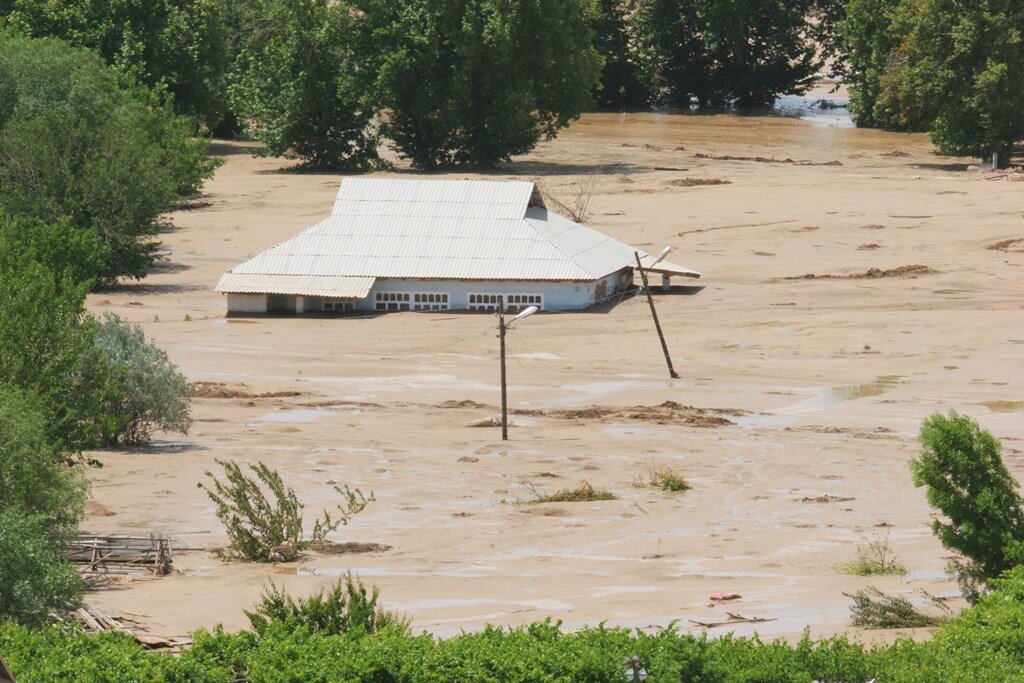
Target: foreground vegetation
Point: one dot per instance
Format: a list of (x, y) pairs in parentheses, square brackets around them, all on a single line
[(343, 636)]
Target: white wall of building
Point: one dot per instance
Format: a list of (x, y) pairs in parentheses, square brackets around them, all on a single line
[(247, 303), (558, 296)]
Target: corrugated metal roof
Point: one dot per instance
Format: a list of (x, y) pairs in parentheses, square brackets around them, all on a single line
[(443, 229), (337, 286)]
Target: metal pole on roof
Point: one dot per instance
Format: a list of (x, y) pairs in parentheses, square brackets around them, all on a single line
[(654, 313)]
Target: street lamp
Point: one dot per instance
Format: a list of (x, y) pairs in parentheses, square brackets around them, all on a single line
[(635, 671), (650, 301), (502, 328)]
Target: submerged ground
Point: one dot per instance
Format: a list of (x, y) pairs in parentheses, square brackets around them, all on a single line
[(822, 382)]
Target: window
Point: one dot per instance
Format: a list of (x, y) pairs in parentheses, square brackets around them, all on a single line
[(338, 305), (414, 301), (514, 303)]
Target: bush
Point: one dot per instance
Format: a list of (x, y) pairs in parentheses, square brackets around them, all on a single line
[(982, 644), (874, 609), (962, 469), (150, 390), (662, 478), (344, 607), (35, 579), (875, 557), (300, 86), (583, 493), (76, 145), (479, 81), (261, 530)]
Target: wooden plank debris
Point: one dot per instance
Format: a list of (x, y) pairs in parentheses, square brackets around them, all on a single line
[(733, 619), (121, 554), (95, 621)]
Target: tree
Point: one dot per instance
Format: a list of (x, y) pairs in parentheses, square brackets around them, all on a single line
[(148, 390), (954, 69), (35, 476), (479, 81), (76, 145), (622, 85), (61, 248), (43, 498), (968, 58), (47, 351), (261, 529), (37, 580), (300, 86), (177, 45), (727, 52), (962, 468)]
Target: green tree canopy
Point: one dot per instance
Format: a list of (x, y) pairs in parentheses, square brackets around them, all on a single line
[(480, 81), (43, 498), (952, 68), (150, 390), (47, 350), (180, 45), (35, 476), (962, 469), (623, 85), (300, 86), (76, 145), (37, 580), (721, 52)]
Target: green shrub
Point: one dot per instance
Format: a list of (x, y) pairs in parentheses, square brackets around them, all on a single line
[(983, 644), (962, 468), (35, 579), (261, 529), (875, 557), (874, 609), (150, 390), (300, 87), (344, 607), (74, 144), (583, 493)]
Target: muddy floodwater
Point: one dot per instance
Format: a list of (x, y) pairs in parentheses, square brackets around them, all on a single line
[(848, 291)]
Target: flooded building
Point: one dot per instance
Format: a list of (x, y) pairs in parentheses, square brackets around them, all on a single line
[(430, 245)]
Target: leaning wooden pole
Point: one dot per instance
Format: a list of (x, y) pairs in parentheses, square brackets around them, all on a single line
[(654, 314), (504, 384), (5, 674)]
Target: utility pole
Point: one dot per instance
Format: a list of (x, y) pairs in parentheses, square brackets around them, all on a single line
[(504, 385), (654, 314)]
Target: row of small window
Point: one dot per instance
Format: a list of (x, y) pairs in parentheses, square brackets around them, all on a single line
[(338, 305), (510, 299), (407, 301)]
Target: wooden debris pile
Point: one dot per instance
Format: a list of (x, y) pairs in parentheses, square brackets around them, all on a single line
[(95, 621), (121, 554)]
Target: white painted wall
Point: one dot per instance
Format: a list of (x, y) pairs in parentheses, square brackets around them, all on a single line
[(247, 303), (558, 296)]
